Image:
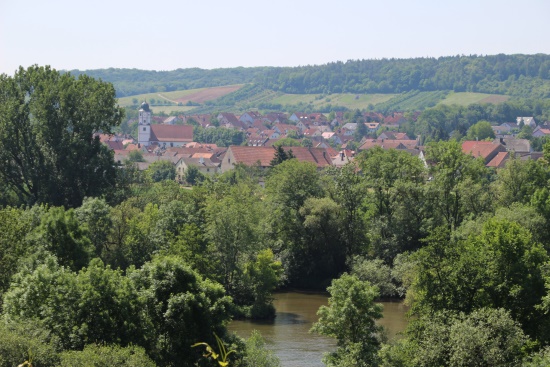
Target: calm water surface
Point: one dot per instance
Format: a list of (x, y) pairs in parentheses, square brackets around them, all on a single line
[(288, 335)]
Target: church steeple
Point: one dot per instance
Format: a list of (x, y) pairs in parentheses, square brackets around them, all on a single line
[(144, 128)]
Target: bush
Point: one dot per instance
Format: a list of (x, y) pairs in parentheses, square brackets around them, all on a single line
[(108, 355), (256, 353), (21, 342)]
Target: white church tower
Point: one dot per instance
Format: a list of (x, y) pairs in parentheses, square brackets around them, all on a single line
[(144, 128)]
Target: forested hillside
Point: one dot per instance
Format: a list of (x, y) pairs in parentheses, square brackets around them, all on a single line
[(130, 82), (515, 75), (518, 75)]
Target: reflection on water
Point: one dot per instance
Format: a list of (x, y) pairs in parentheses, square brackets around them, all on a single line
[(288, 334)]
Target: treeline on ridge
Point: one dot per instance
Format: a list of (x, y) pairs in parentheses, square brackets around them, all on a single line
[(516, 75)]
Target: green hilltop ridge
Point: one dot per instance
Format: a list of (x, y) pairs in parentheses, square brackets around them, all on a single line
[(526, 76)]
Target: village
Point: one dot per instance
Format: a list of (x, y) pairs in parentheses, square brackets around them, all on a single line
[(323, 142)]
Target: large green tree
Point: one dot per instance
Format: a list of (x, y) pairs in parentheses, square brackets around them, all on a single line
[(480, 131), (48, 152), (485, 338), (350, 317), (396, 199), (500, 266), (95, 305), (179, 308)]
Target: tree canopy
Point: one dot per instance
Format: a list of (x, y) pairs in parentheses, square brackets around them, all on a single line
[(48, 151)]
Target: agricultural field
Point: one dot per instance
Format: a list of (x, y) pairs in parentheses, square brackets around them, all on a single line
[(200, 95), (467, 98), (239, 98), (348, 100)]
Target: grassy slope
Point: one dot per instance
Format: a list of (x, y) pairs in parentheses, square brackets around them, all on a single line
[(466, 98), (351, 101), (182, 95)]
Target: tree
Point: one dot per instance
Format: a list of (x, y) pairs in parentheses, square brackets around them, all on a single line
[(480, 131), (15, 224), (193, 176), (360, 131), (256, 353), (347, 188), (26, 341), (306, 142), (526, 132), (376, 273), (179, 309), (61, 234), (350, 317), (288, 141), (232, 228), (485, 270), (455, 174), (486, 338), (321, 254), (281, 155), (263, 275), (95, 305), (396, 199), (519, 180), (288, 186), (135, 156), (48, 152), (162, 170), (95, 215)]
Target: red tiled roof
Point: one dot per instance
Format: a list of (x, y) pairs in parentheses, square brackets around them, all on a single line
[(114, 144), (393, 136), (395, 119), (386, 144), (231, 118), (177, 133), (499, 159), (479, 148), (250, 155)]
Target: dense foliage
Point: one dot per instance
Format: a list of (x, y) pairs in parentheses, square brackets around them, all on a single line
[(129, 82), (519, 75), (48, 152)]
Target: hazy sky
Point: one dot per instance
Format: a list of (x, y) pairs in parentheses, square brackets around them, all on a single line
[(172, 34)]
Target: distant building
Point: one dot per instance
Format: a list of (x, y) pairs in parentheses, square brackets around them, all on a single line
[(261, 156), (163, 135), (527, 121)]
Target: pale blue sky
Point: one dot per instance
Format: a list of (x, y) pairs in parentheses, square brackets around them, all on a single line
[(166, 34)]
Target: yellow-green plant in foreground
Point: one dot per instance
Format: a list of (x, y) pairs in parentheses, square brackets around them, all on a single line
[(221, 357)]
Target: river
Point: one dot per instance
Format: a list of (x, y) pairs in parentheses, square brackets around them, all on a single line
[(288, 334)]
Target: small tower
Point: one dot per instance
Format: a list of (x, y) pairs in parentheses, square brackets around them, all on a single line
[(144, 128)]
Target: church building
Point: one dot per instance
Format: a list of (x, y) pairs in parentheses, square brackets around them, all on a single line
[(165, 136)]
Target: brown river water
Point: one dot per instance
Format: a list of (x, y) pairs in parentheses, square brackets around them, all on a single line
[(288, 334)]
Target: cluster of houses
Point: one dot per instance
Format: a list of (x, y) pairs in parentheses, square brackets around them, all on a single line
[(510, 129), (172, 140)]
